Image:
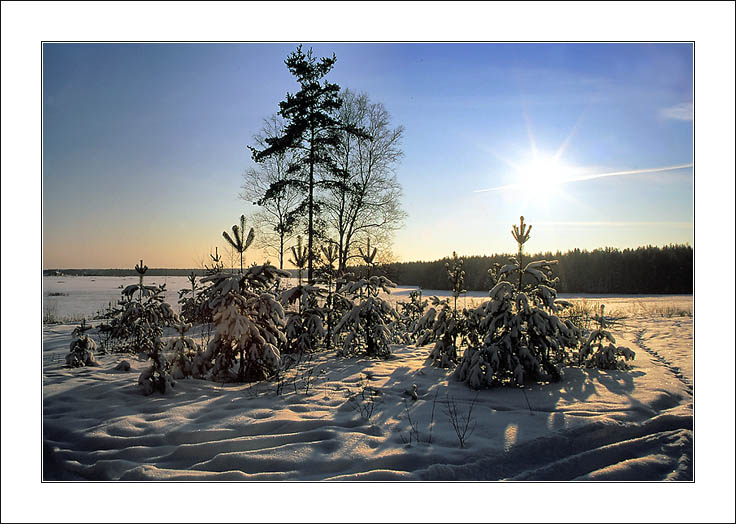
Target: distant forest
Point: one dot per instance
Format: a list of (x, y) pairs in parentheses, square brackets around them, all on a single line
[(650, 269), (665, 270)]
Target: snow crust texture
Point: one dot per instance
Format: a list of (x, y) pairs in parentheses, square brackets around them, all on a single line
[(377, 420)]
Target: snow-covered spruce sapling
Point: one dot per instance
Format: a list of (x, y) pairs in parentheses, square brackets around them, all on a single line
[(522, 336), (191, 301), (304, 327), (595, 354), (447, 325), (409, 315), (368, 255), (326, 274), (217, 265), (148, 319), (141, 270), (439, 325), (367, 323), (300, 257), (249, 327), (456, 276), (239, 241), (138, 324), (82, 348), (183, 350)]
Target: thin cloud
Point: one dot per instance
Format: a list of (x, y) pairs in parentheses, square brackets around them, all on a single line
[(592, 177), (615, 224), (683, 111)]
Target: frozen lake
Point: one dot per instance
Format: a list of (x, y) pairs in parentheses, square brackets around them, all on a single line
[(85, 296)]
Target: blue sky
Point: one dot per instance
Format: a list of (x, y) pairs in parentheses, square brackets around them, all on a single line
[(145, 144)]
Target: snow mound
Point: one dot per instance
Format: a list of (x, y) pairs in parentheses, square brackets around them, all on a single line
[(350, 419)]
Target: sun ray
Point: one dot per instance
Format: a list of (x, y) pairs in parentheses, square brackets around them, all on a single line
[(572, 132)]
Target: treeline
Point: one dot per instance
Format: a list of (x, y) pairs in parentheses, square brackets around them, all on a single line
[(650, 269), (155, 272)]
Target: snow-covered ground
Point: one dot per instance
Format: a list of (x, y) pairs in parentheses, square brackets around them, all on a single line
[(354, 419)]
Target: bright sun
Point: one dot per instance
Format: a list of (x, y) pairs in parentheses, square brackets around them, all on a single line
[(541, 174)]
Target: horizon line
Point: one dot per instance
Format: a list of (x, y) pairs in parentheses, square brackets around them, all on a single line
[(671, 244)]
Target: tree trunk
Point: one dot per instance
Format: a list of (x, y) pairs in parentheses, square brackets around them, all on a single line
[(281, 250), (311, 210)]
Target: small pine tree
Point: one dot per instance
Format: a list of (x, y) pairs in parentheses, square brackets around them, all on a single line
[(148, 320), (239, 241), (327, 274), (368, 256), (367, 323), (217, 264), (300, 258), (249, 326), (184, 351), (82, 348), (193, 308), (304, 327), (456, 275), (522, 337), (137, 325), (447, 324), (594, 354), (410, 314)]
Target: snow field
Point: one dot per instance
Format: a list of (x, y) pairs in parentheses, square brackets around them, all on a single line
[(355, 419)]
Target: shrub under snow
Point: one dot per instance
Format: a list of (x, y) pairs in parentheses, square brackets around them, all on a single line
[(82, 349), (595, 353), (184, 351)]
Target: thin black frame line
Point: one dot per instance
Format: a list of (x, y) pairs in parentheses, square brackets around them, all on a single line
[(367, 482)]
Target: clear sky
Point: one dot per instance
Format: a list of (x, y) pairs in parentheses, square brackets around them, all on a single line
[(145, 144)]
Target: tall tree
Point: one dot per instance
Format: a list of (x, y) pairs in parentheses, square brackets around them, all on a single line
[(309, 134), (278, 218), (365, 200)]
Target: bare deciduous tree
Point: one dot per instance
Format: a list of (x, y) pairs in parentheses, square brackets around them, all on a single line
[(277, 219), (366, 200)]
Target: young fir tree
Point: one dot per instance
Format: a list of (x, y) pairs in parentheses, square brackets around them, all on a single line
[(367, 324), (184, 351), (441, 323), (522, 337), (239, 241), (217, 264), (82, 348), (304, 327), (594, 353), (148, 320), (368, 256), (410, 313), (310, 133), (249, 326), (300, 257), (141, 270), (330, 254), (137, 325), (193, 309)]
